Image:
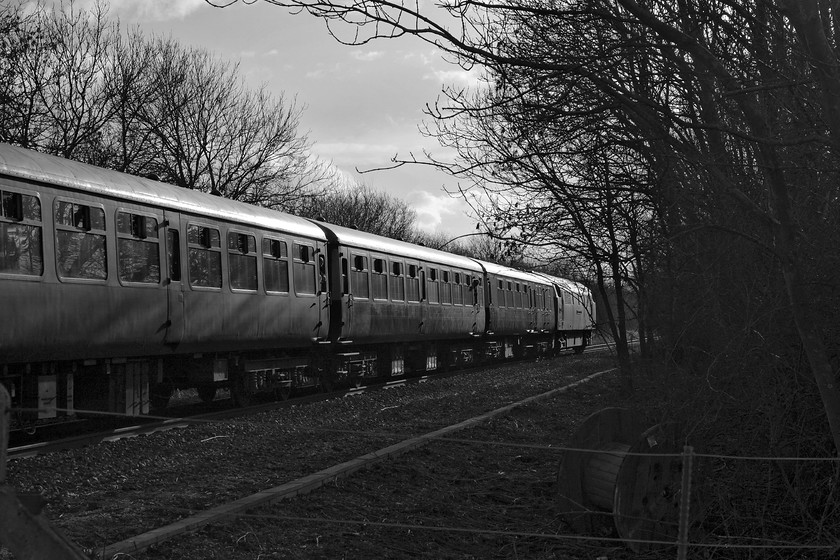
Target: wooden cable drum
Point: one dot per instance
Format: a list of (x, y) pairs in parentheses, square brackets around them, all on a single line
[(601, 473), (618, 477)]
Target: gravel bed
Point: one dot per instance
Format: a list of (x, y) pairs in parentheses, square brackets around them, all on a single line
[(112, 491)]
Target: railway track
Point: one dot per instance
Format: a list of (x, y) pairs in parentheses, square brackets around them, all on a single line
[(306, 484), (152, 424), (107, 493)]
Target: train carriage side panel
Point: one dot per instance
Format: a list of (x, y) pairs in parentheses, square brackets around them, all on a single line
[(510, 300), (112, 246), (391, 295), (247, 289), (99, 290), (575, 312), (453, 305)]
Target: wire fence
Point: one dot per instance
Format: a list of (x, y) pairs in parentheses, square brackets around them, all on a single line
[(683, 543)]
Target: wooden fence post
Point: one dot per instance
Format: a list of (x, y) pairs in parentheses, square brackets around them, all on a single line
[(685, 502), (5, 421)]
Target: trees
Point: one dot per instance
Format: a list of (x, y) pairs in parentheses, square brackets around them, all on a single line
[(76, 85), (657, 133), (213, 134), (359, 207)]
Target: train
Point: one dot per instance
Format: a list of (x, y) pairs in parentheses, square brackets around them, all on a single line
[(116, 290)]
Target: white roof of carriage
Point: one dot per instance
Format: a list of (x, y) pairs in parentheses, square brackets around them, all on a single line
[(354, 238), (80, 177)]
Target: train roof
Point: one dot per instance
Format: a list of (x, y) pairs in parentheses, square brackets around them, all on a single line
[(508, 272), (42, 168), (568, 285), (363, 240)]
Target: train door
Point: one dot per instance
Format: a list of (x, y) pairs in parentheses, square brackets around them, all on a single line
[(475, 293), (316, 259), (561, 309), (323, 293), (174, 284), (341, 307), (530, 302), (357, 303), (492, 308), (549, 311), (424, 302)]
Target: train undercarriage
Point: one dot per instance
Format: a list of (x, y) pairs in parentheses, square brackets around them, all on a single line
[(49, 392)]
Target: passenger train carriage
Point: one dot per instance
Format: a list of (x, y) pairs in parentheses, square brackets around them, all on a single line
[(116, 289)]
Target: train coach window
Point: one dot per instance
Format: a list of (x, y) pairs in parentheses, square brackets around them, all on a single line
[(205, 252), (80, 241), (304, 269), (138, 248), (359, 277), (458, 289), (345, 277), (20, 235), (475, 284), (275, 265), (500, 294), (173, 253), (13, 206), (242, 261), (412, 284), (445, 286), (379, 280), (432, 286), (397, 283)]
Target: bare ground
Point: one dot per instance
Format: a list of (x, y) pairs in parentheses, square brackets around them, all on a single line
[(490, 497)]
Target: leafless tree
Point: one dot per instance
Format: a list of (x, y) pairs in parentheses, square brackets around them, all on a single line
[(56, 99), (65, 79), (78, 86), (18, 36), (128, 142), (360, 207), (731, 101)]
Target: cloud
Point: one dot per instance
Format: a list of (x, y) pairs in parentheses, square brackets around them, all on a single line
[(456, 77), (352, 154), (154, 10), (423, 57), (436, 212), (367, 56), (438, 69)]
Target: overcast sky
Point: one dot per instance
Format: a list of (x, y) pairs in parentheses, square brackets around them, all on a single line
[(363, 104)]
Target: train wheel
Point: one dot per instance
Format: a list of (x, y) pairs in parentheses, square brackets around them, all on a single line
[(580, 349), (239, 391), (327, 384), (206, 393), (282, 393), (159, 396)]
